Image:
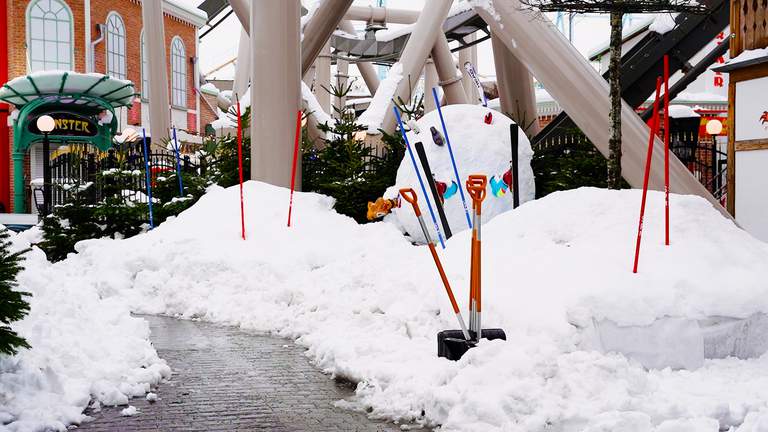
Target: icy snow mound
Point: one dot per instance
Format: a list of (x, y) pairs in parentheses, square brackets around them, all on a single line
[(367, 304), (478, 148), (83, 347)]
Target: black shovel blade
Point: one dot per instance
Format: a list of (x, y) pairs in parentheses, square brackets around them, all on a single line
[(452, 345)]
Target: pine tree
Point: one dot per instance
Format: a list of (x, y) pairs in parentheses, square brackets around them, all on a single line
[(13, 307)]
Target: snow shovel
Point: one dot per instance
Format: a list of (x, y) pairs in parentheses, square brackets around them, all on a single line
[(476, 188), (410, 196)]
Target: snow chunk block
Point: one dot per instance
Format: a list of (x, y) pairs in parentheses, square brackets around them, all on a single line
[(478, 148), (682, 343)]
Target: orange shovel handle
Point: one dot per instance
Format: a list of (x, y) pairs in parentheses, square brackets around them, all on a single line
[(409, 195), (476, 187)]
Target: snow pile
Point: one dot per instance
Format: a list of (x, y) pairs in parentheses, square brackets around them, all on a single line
[(368, 304), (83, 346), (663, 23), (382, 100), (478, 148), (313, 106)]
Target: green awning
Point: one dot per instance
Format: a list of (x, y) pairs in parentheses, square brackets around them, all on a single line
[(89, 90)]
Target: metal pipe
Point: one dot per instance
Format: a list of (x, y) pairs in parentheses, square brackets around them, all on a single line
[(243, 65), (275, 49), (159, 113), (515, 86), (318, 30), (431, 81), (91, 58), (445, 65), (381, 15), (370, 77), (423, 36), (584, 95)]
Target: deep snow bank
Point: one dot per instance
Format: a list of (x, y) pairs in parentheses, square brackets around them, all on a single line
[(368, 304), (83, 347)]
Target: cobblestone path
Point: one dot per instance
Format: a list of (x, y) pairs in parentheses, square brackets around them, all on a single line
[(226, 379)]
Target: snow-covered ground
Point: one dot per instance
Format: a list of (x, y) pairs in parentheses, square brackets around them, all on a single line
[(83, 346), (367, 304)]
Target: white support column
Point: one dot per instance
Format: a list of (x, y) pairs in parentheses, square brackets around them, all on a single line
[(323, 78), (469, 55), (515, 85), (423, 36), (445, 65), (87, 32), (370, 77), (584, 95), (243, 66), (159, 104), (275, 89), (242, 9), (430, 80), (318, 30)]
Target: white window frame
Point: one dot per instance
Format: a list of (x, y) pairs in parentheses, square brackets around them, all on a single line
[(29, 39), (178, 73), (112, 70)]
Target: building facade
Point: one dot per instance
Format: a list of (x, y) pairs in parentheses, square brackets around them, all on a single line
[(102, 36)]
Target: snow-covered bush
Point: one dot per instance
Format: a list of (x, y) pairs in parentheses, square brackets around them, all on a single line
[(13, 307)]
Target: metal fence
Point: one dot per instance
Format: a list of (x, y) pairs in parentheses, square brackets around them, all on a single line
[(703, 158), (85, 171)]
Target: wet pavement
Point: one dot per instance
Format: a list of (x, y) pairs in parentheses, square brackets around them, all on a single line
[(227, 379)]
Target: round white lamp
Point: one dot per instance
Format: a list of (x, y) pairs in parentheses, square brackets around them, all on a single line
[(714, 127), (46, 124)]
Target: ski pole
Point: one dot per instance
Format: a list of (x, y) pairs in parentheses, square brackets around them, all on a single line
[(515, 183), (418, 175), (666, 149), (450, 152), (178, 163), (410, 196), (476, 187), (240, 166), (147, 167), (295, 159), (654, 130)]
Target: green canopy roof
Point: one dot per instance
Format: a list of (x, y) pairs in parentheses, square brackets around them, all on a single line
[(89, 90)]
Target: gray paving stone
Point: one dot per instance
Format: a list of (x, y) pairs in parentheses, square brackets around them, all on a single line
[(226, 379)]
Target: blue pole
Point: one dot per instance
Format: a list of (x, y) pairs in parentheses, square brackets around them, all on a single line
[(418, 175), (453, 161), (149, 182), (178, 163)]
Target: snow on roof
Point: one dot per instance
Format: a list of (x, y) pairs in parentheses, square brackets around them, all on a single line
[(746, 58), (377, 110), (24, 89), (682, 111), (178, 9), (209, 88)]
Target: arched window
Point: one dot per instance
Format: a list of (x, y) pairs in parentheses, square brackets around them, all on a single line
[(49, 35), (144, 70), (115, 46), (178, 73)]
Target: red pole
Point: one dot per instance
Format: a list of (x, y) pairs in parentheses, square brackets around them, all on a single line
[(666, 149), (654, 130), (295, 159), (5, 148), (240, 166)]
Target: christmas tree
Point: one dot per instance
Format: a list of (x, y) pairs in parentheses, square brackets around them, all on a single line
[(13, 307)]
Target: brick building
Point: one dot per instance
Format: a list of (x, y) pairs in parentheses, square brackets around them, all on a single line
[(103, 36)]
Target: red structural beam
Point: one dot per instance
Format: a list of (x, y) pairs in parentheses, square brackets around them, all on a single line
[(5, 149)]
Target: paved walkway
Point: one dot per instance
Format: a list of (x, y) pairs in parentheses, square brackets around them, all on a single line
[(226, 379)]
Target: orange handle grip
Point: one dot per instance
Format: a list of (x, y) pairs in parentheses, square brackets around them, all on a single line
[(409, 195), (476, 184)]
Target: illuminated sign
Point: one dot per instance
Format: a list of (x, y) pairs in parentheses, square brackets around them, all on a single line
[(68, 124)]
